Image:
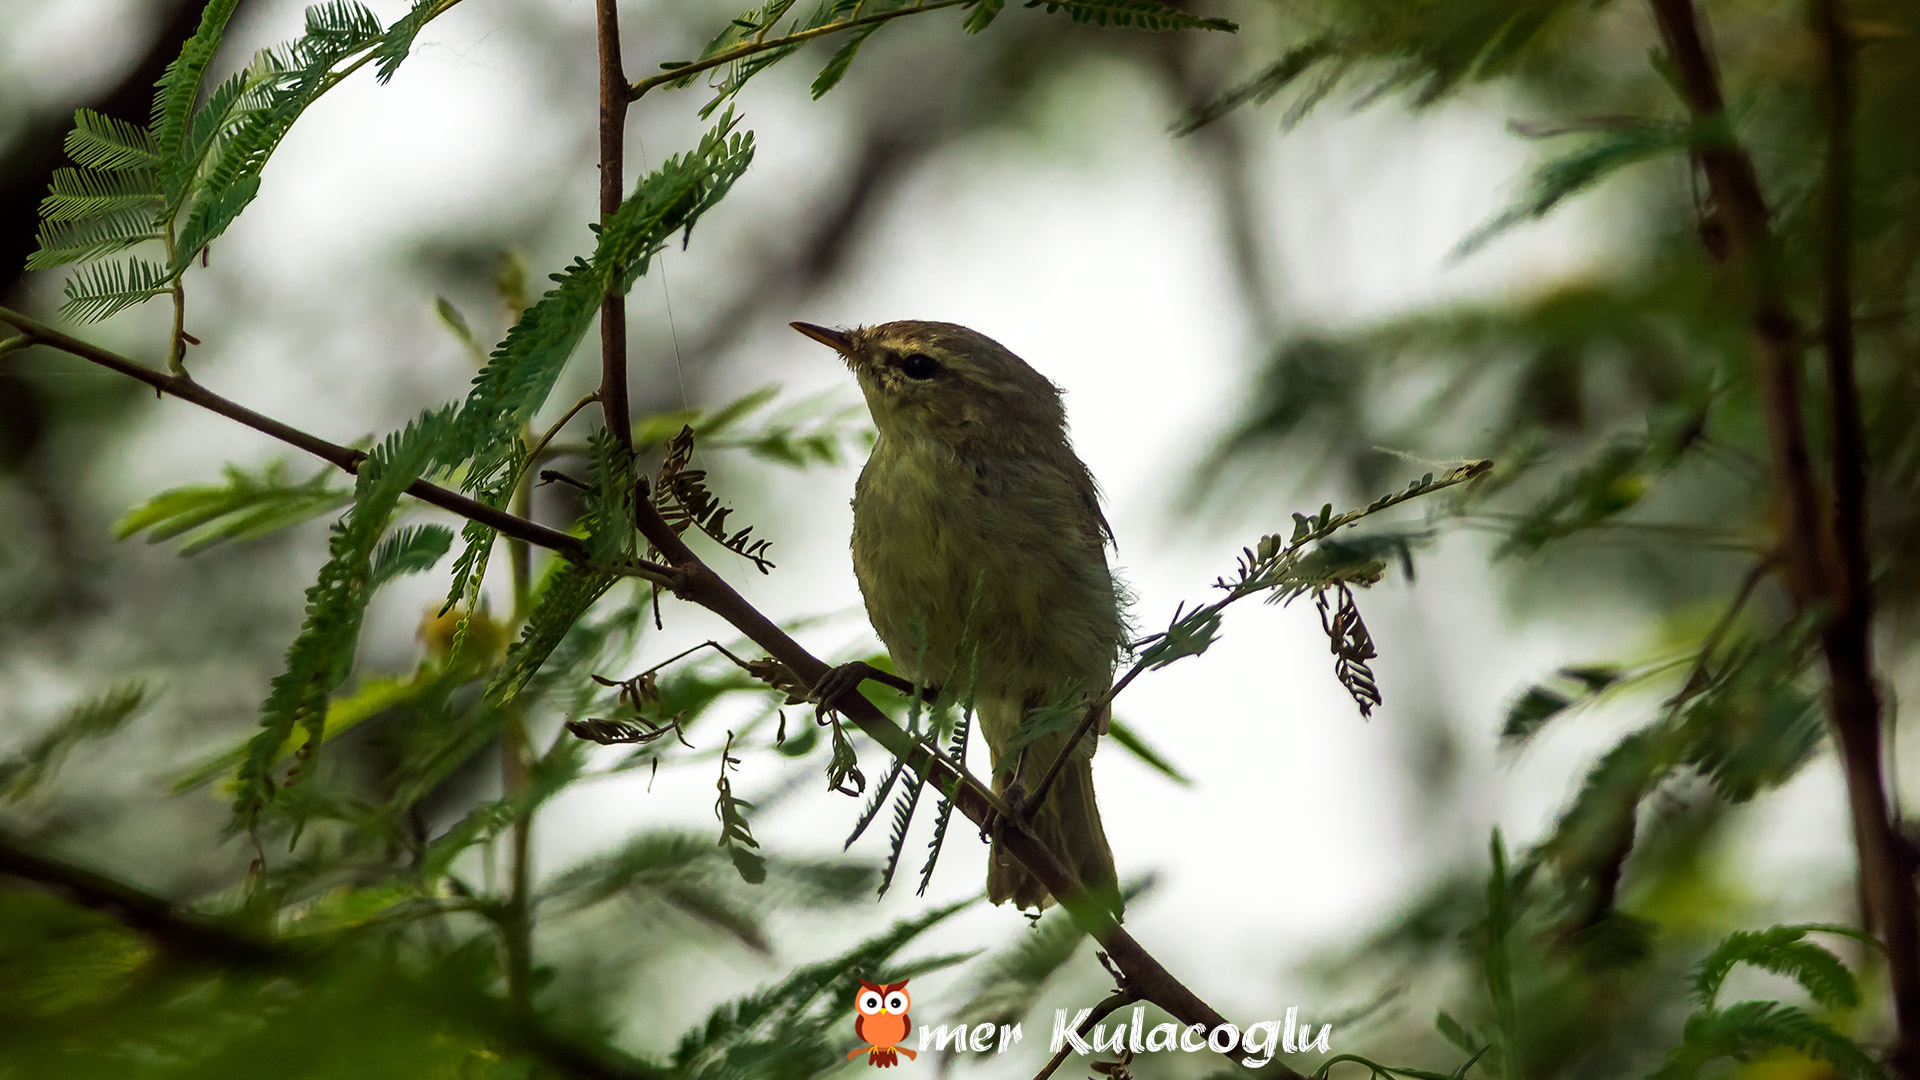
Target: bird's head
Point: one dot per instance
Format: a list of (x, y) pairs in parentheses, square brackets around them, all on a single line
[(943, 381)]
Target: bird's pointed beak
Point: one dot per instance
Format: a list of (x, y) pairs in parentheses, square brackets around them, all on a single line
[(832, 339)]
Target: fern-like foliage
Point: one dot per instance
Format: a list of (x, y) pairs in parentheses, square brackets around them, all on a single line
[(610, 500), (1008, 983), (875, 802), (820, 429), (843, 765), (735, 834), (243, 507), (753, 41), (1783, 950), (681, 496), (1557, 180), (1750, 1029), (1135, 14), (1746, 727), (571, 590), (568, 592), (398, 40), (788, 1024), (757, 25), (1427, 52), (1311, 561), (1540, 703), (957, 752), (102, 290), (548, 775), (180, 86), (841, 60), (411, 550), (903, 808), (183, 180), (321, 655), (521, 372), (95, 718)]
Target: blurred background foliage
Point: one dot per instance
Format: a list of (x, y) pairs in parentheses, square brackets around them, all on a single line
[(372, 923)]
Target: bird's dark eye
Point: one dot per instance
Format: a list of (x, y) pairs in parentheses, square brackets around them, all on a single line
[(920, 366)]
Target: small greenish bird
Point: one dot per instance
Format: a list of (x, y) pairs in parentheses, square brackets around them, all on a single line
[(981, 553)]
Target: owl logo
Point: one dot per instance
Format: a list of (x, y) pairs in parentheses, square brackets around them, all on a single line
[(882, 1023)]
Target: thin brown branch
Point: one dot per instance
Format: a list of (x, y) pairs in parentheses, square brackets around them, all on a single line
[(613, 310), (762, 44), (540, 445), (1849, 436), (1735, 187), (1459, 474), (1840, 593), (345, 458), (1697, 679)]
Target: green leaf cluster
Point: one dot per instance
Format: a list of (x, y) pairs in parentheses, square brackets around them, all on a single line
[(321, 655), (245, 506), (1750, 1029), (184, 179), (521, 372)]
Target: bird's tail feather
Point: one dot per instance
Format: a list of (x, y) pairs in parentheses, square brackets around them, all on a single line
[(1069, 824)]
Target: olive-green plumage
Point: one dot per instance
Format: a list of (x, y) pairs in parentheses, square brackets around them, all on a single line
[(981, 552)]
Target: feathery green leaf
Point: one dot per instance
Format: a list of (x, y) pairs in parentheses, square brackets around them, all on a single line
[(837, 65), (104, 144), (903, 808), (106, 288), (321, 655), (1749, 1028), (956, 751), (243, 507), (94, 718), (79, 194), (1137, 14), (411, 550), (735, 834), (1782, 950), (62, 242)]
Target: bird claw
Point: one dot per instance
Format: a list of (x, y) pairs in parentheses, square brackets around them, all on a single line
[(845, 678), (838, 682), (1014, 797)]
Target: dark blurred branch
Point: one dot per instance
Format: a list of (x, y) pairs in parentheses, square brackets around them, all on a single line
[(346, 458), (1849, 440), (1841, 593), (516, 915), (764, 44), (1776, 333), (193, 938), (185, 936)]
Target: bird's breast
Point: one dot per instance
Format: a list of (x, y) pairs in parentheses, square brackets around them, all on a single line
[(1000, 557)]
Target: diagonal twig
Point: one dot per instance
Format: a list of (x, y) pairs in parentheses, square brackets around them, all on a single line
[(345, 458)]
